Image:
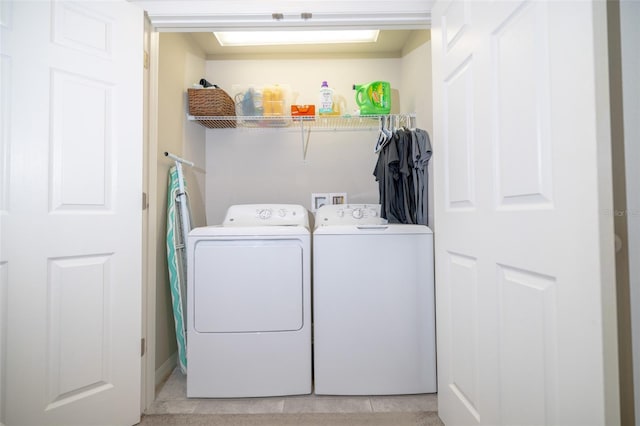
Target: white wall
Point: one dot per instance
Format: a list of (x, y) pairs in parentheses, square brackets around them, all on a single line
[(416, 80), (252, 166), (180, 63), (417, 94), (630, 39)]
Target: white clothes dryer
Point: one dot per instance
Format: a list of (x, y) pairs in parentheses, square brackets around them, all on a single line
[(249, 304), (373, 300)]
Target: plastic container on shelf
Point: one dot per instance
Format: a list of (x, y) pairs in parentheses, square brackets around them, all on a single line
[(373, 98), (267, 100), (339, 104), (303, 112), (273, 101)]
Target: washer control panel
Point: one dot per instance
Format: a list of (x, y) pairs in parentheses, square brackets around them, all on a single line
[(349, 214), (266, 215)]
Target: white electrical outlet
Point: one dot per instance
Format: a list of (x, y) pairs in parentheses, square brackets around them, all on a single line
[(319, 199), (338, 198)]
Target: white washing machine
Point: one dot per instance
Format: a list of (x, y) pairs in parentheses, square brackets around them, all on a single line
[(249, 304), (373, 301)]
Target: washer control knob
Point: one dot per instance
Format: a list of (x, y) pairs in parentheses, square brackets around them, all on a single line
[(282, 212), (357, 213), (340, 213), (373, 213), (264, 213)]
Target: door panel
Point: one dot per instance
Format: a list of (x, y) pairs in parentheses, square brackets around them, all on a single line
[(463, 343), (519, 64), (80, 119), (73, 348), (78, 351), (523, 253), (458, 122), (230, 297), (528, 348)]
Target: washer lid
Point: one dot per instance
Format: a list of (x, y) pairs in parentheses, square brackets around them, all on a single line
[(266, 215), (382, 229)]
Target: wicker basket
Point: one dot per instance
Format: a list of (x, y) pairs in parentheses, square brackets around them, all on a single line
[(213, 102)]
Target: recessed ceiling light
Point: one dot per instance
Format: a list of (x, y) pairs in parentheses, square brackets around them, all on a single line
[(265, 38)]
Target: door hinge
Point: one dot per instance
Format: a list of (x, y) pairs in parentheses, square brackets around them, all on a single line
[(145, 201), (143, 346)]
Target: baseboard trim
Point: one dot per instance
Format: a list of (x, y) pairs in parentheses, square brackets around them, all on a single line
[(165, 369)]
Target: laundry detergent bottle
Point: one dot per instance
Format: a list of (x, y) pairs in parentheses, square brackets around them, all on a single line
[(326, 100), (373, 98)]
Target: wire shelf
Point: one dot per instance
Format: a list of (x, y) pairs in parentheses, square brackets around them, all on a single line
[(316, 123)]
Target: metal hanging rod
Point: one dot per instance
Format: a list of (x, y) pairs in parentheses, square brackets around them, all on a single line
[(178, 159)]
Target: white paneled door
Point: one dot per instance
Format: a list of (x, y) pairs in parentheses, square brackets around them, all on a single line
[(524, 243), (73, 206), (5, 54)]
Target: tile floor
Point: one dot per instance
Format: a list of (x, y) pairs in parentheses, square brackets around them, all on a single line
[(171, 399)]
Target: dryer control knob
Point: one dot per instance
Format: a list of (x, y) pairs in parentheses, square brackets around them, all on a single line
[(264, 214), (340, 213), (282, 212), (357, 214), (373, 213)]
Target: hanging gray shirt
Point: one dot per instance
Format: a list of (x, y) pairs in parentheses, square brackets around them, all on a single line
[(421, 152)]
